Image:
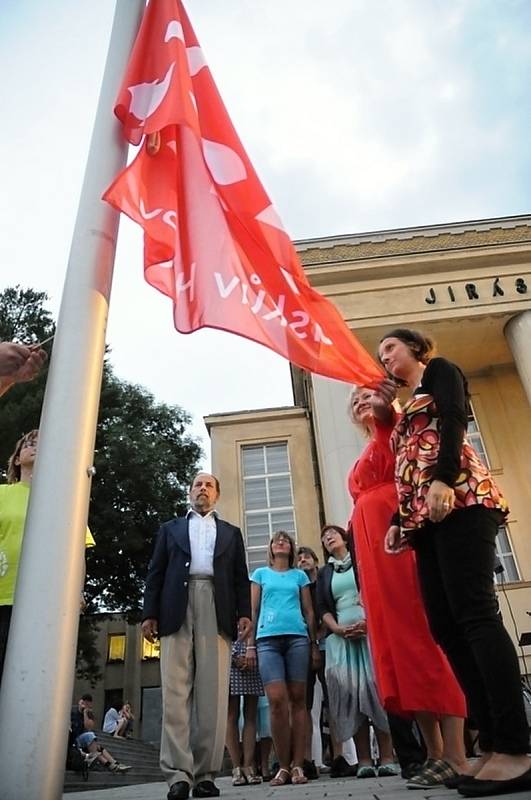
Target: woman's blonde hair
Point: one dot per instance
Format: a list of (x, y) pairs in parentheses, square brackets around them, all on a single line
[(361, 425)]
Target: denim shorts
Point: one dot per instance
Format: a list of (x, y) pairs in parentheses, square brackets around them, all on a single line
[(283, 658), (85, 739)]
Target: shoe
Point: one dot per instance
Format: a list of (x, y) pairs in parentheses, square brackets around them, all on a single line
[(388, 770), (121, 768), (251, 776), (341, 768), (298, 776), (310, 770), (457, 781), (117, 767), (434, 773), (282, 777), (479, 788), (179, 791), (366, 772), (205, 789), (411, 769), (238, 778)]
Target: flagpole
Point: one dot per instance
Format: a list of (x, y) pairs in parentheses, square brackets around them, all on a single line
[(38, 678)]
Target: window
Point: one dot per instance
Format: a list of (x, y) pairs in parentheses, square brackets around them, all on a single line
[(506, 557), (507, 570), (475, 438), (150, 650), (267, 497), (116, 647)]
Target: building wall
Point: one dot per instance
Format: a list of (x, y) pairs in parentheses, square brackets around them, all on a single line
[(462, 284), (128, 677), (230, 432)]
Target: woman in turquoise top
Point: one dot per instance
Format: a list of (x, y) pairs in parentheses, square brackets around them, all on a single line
[(352, 694), (283, 625)]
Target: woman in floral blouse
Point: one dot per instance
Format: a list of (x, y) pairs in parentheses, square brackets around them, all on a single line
[(449, 511)]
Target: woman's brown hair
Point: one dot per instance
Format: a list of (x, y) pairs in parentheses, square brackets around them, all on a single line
[(422, 347), (13, 469), (274, 537), (342, 532)]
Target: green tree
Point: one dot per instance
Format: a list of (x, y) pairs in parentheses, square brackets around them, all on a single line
[(144, 460), (23, 319), (144, 463)]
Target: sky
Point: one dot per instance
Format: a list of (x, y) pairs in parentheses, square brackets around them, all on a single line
[(358, 115)]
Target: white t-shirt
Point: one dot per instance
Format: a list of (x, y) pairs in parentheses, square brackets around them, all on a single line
[(110, 723)]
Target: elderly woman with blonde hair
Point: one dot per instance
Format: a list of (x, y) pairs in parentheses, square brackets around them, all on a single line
[(412, 673)]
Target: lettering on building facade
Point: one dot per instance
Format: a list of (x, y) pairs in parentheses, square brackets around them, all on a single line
[(472, 292)]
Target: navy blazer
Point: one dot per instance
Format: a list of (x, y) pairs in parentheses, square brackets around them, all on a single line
[(166, 593)]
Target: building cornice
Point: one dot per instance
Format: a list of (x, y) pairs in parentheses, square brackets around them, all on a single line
[(252, 416), (410, 241)]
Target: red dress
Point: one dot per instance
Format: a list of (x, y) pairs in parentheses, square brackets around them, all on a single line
[(412, 673)]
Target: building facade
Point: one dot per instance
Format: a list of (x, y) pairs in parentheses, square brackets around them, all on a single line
[(468, 285), (130, 671)]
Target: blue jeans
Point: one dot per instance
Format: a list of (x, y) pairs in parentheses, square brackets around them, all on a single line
[(283, 658)]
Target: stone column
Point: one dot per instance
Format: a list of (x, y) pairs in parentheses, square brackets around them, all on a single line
[(518, 335)]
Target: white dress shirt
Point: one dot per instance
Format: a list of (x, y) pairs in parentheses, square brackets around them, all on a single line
[(202, 531)]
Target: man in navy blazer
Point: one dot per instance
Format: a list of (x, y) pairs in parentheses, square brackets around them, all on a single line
[(197, 599)]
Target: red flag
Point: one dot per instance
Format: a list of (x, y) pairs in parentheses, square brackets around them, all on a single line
[(213, 241)]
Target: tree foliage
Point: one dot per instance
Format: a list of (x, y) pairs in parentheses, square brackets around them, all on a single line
[(144, 460), (23, 319), (144, 463)]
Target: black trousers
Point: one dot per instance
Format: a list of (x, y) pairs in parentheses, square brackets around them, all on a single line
[(455, 560), (5, 621), (408, 748)]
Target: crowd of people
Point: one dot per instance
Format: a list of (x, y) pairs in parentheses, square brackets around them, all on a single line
[(401, 622), (400, 626)]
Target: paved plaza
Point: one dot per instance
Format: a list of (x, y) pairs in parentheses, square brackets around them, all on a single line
[(325, 787)]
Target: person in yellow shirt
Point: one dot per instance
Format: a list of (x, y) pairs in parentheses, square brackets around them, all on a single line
[(14, 497)]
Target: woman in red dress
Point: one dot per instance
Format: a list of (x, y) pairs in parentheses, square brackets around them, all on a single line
[(412, 674)]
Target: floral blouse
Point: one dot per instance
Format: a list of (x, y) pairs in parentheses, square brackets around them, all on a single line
[(416, 443)]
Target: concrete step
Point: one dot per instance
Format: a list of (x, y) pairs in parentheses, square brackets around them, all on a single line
[(141, 756)]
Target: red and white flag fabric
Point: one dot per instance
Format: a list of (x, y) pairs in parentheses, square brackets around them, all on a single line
[(213, 241)]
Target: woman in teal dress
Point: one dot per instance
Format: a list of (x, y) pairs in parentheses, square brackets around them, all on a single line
[(353, 698)]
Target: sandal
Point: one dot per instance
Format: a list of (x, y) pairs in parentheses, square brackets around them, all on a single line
[(238, 777), (298, 776), (251, 776), (282, 777)]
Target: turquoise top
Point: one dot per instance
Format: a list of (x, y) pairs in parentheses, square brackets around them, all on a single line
[(280, 604), (346, 595)]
